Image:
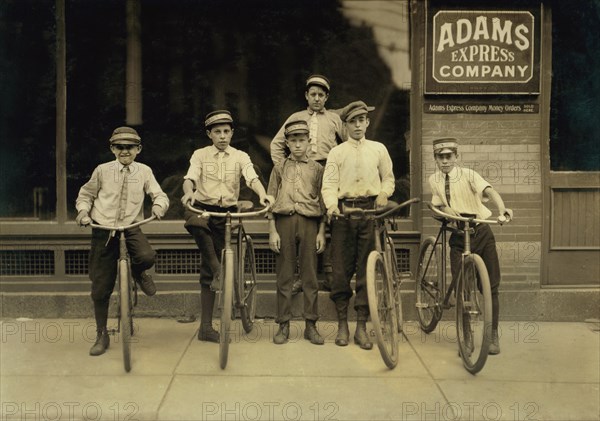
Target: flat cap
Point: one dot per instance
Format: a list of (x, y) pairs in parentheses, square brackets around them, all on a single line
[(318, 80), (218, 117), (125, 136), (354, 109), (445, 145), (296, 126)]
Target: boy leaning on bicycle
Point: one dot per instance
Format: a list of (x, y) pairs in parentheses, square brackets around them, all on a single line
[(460, 191), (114, 196)]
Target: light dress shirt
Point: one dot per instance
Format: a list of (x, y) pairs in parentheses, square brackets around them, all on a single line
[(357, 168), (101, 195), (329, 123), (216, 174), (466, 191), (296, 186)]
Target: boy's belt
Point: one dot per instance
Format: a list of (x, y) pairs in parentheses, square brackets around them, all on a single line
[(364, 202)]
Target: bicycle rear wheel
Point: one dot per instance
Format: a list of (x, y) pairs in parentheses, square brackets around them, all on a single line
[(382, 309), (126, 321), (226, 304), (428, 285), (245, 283), (390, 251), (474, 314)]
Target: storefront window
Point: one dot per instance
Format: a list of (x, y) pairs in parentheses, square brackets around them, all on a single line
[(27, 110), (574, 110)]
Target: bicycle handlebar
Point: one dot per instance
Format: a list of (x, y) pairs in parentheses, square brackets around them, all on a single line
[(231, 214), (380, 213), (123, 227), (501, 219)]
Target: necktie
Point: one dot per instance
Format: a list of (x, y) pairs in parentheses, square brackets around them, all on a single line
[(220, 156), (447, 188), (123, 198), (313, 128)]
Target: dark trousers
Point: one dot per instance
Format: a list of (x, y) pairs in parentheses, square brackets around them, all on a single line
[(351, 242), (298, 236), (483, 243), (103, 266), (215, 228)]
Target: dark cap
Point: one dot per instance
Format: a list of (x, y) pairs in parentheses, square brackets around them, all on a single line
[(354, 109), (218, 117), (445, 145), (125, 136), (296, 126), (318, 80)]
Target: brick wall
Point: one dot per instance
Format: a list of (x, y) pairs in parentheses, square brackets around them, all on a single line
[(505, 150)]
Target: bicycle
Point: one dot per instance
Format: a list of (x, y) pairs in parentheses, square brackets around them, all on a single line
[(472, 289), (239, 281), (384, 280), (127, 289)]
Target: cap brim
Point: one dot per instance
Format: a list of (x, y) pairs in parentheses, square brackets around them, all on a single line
[(297, 132), (125, 142), (443, 150)]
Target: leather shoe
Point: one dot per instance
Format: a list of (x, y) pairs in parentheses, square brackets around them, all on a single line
[(297, 287), (494, 348), (101, 345), (146, 284), (343, 333), (208, 334), (360, 336), (312, 334), (282, 334)]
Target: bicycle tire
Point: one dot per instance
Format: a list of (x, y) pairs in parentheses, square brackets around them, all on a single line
[(382, 309), (226, 299), (126, 321), (245, 285), (427, 285), (475, 299), (390, 250)]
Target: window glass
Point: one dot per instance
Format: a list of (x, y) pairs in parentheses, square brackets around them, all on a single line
[(574, 109), (27, 109)]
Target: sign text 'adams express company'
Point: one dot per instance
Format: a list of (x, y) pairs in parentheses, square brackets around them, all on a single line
[(482, 52)]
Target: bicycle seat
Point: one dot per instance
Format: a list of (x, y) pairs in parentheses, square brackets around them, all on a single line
[(244, 205)]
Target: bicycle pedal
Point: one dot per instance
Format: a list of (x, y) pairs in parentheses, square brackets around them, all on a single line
[(421, 305)]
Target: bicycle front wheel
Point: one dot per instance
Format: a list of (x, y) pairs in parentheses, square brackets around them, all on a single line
[(245, 283), (226, 300), (382, 309), (126, 321), (474, 314), (390, 251), (428, 285)]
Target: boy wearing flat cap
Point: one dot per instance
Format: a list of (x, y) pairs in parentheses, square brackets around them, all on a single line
[(297, 230), (358, 173), (212, 183), (325, 132), (114, 196), (460, 191)]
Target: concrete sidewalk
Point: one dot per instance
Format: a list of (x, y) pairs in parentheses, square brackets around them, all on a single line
[(546, 371)]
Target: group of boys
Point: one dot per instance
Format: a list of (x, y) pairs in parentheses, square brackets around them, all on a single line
[(322, 162)]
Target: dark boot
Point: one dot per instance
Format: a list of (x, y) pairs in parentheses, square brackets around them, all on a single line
[(312, 334), (360, 336), (343, 332), (207, 302), (282, 334), (144, 280), (101, 345), (494, 348)]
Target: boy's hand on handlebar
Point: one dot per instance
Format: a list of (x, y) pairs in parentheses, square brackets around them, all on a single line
[(158, 212), (267, 200), (83, 219), (188, 198), (381, 200), (505, 216)]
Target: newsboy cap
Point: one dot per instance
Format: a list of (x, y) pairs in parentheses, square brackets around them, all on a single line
[(125, 136), (445, 145), (296, 126), (318, 80), (218, 117), (354, 109)]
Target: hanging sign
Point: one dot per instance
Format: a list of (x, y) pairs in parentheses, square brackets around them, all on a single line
[(483, 52)]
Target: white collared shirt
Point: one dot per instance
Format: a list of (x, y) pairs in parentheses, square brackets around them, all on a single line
[(466, 191)]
